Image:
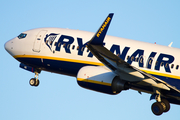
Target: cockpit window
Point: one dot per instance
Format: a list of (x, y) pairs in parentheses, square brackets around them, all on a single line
[(22, 35)]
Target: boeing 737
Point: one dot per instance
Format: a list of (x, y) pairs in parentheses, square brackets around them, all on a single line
[(102, 63)]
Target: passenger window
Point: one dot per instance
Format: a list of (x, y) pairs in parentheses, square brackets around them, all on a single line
[(167, 64), (127, 57), (150, 62), (22, 35), (64, 44), (73, 47), (162, 63), (136, 59), (68, 46), (55, 43), (156, 63), (132, 58), (59, 44), (82, 49), (177, 67), (172, 66), (141, 60)]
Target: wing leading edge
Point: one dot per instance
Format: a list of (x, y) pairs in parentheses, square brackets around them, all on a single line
[(123, 69)]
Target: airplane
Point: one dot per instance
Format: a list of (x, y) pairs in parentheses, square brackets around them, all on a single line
[(102, 63)]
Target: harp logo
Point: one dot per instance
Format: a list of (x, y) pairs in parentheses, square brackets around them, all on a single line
[(49, 39)]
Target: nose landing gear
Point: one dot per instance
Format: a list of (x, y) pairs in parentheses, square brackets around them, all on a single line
[(34, 81)]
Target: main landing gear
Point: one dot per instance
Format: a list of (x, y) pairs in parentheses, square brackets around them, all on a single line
[(160, 106), (34, 81)]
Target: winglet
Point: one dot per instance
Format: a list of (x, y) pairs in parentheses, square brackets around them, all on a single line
[(100, 34)]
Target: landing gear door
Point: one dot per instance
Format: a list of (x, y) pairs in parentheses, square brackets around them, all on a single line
[(38, 41)]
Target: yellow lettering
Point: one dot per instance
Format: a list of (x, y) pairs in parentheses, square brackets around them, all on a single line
[(98, 35), (103, 26)]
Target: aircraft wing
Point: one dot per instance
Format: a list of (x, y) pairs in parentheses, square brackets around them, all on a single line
[(121, 68)]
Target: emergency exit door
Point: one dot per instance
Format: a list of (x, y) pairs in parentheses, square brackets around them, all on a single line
[(38, 41)]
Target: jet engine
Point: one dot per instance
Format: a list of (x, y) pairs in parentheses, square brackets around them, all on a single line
[(101, 79)]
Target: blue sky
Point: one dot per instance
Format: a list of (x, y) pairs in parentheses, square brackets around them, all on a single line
[(59, 96)]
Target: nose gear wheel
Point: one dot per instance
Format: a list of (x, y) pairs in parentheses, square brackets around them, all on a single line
[(34, 81)]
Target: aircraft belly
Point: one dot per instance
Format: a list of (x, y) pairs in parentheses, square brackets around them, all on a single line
[(71, 68), (61, 67)]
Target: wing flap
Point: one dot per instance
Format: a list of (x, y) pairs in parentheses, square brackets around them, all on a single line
[(115, 63)]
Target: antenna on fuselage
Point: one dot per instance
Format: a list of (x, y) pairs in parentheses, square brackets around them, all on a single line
[(170, 44)]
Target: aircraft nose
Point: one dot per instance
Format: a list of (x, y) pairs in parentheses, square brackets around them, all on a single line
[(8, 46)]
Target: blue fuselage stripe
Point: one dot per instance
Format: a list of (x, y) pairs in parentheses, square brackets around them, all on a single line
[(72, 68), (62, 67)]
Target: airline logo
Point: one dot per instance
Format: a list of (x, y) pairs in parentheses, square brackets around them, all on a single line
[(65, 41), (103, 26), (49, 39)]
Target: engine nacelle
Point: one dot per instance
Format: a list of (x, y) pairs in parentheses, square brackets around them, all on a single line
[(101, 79)]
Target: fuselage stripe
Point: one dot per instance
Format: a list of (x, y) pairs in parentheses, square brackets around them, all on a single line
[(92, 81), (58, 59), (90, 63)]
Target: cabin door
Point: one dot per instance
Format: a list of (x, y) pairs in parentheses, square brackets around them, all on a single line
[(38, 41)]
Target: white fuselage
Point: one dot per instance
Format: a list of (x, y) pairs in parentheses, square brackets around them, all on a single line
[(47, 45)]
